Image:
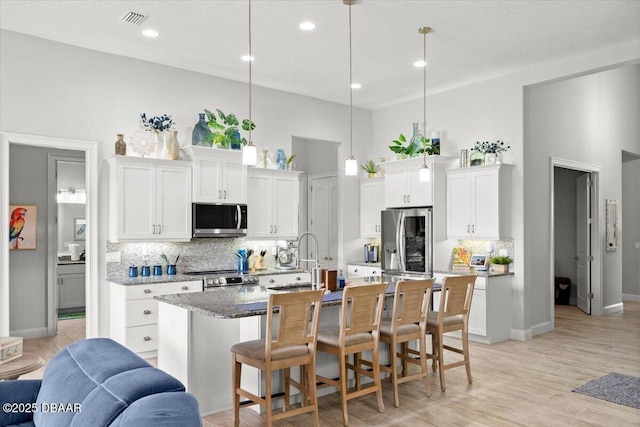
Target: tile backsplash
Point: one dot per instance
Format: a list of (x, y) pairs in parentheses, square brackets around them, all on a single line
[(197, 255)]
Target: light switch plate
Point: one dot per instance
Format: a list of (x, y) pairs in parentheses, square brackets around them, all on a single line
[(637, 245), (113, 256)]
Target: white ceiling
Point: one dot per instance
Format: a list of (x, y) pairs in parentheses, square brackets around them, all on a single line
[(471, 41)]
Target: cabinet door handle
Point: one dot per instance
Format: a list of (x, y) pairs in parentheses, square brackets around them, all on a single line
[(272, 281), (473, 228), (159, 229), (185, 288), (147, 291), (270, 229), (219, 194), (154, 229), (355, 271), (147, 338), (61, 280), (468, 228), (330, 258), (146, 312), (408, 198), (275, 228), (298, 278), (374, 272), (225, 194)]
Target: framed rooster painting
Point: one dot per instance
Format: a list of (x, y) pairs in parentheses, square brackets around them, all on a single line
[(23, 221)]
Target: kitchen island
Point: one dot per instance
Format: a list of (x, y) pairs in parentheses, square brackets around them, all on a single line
[(197, 330)]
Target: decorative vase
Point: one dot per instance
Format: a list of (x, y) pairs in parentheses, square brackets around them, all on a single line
[(435, 142), (415, 140), (281, 159), (172, 145), (490, 158), (235, 143), (121, 146), (476, 159), (159, 138), (500, 268), (265, 158), (372, 175), (200, 133)]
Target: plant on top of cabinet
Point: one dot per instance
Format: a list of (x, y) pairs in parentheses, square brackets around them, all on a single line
[(226, 134), (487, 152), (501, 263), (413, 148), (157, 123), (371, 168)]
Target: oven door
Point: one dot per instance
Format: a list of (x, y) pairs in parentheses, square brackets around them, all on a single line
[(218, 220)]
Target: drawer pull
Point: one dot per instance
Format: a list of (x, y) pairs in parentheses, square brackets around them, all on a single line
[(355, 271), (298, 278), (147, 338), (146, 312), (147, 291), (185, 288), (272, 281)]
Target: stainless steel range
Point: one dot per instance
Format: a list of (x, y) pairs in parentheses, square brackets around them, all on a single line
[(217, 278)]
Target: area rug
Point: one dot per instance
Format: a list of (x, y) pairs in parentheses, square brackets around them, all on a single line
[(616, 388), (67, 316)]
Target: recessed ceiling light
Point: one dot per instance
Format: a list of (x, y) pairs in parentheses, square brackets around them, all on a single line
[(247, 58), (307, 26), (150, 33), (356, 85), (419, 64)]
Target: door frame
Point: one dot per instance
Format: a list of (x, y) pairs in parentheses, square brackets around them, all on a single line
[(597, 227), (90, 149), (310, 178)]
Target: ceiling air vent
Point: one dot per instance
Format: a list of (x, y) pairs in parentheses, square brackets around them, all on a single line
[(134, 18)]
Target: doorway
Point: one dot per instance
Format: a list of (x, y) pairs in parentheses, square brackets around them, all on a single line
[(575, 227), (90, 150)]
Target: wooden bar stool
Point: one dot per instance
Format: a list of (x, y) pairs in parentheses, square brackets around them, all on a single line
[(292, 344), (358, 331), (452, 315), (408, 322)]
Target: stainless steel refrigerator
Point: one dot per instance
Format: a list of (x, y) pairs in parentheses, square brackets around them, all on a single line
[(407, 242)]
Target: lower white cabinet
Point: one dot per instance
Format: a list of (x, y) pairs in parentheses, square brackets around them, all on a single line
[(358, 270), (71, 286), (269, 280), (134, 313), (490, 316)]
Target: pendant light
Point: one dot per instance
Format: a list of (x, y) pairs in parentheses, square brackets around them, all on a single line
[(351, 164), (425, 172), (249, 152)]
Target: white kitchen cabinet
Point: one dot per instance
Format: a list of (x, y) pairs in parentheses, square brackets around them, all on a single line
[(273, 203), (218, 175), (490, 315), (150, 199), (134, 313), (71, 286), (402, 186), (371, 203), (478, 201), (270, 280), (359, 270)]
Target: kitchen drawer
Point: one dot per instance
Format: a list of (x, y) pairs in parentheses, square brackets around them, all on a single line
[(153, 289), (142, 338), (283, 279), (141, 312), (361, 270)]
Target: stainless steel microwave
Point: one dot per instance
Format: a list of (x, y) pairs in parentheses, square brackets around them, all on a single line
[(219, 220)]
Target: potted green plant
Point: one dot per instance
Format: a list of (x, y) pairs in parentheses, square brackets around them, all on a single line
[(500, 264), (413, 148), (290, 163), (371, 168), (225, 133)]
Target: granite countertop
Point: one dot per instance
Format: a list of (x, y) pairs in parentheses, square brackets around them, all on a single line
[(478, 273), (140, 280), (232, 302), (366, 264)]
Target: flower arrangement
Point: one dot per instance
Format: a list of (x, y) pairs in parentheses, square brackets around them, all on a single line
[(490, 147), (156, 123)]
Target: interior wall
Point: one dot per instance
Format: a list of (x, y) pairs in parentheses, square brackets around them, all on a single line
[(565, 211), (108, 93), (629, 231)]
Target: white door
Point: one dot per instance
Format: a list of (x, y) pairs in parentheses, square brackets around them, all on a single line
[(486, 207), (323, 220), (136, 203), (583, 233), (459, 206), (207, 180), (395, 187), (173, 202), (234, 189), (259, 222), (371, 203), (285, 209)]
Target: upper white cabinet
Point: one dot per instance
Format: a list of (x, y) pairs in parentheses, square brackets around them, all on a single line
[(218, 175), (150, 199), (402, 184), (371, 203), (273, 203), (478, 201)]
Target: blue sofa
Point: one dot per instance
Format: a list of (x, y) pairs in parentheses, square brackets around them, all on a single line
[(98, 382)]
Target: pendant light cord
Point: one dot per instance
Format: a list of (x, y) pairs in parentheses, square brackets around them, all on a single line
[(350, 90), (250, 62), (424, 31)]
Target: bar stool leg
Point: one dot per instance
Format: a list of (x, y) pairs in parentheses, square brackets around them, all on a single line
[(393, 347), (343, 386), (313, 391), (376, 377), (423, 364), (237, 371), (287, 390)]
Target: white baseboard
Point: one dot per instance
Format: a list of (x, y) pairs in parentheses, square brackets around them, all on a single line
[(614, 308), (631, 297), (541, 328), (521, 334), (30, 333)]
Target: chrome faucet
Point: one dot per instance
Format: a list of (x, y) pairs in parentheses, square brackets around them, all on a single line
[(307, 260)]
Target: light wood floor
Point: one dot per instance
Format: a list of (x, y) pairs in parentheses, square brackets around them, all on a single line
[(514, 383)]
